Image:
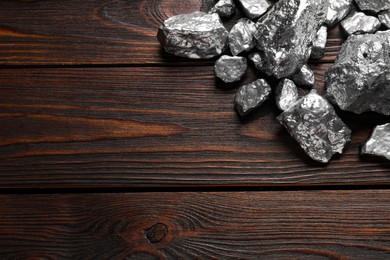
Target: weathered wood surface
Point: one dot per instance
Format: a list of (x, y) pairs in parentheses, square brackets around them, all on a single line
[(74, 32), (125, 127), (239, 225)]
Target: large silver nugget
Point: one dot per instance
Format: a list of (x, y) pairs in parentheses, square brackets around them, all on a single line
[(384, 17), (196, 35), (379, 142), (241, 36), (352, 81), (313, 122), (337, 11), (224, 8), (286, 94), (359, 23), (251, 96), (319, 44), (285, 34), (373, 5), (255, 8), (304, 77), (230, 69)]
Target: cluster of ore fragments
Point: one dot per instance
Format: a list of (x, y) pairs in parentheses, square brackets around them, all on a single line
[(279, 39)]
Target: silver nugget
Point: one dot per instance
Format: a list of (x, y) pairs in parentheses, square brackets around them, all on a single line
[(384, 18), (251, 96), (224, 8), (359, 23), (319, 44), (379, 142), (373, 5), (337, 11), (196, 35), (357, 81), (286, 94), (314, 124), (284, 35), (230, 69), (304, 77), (241, 36), (255, 8)]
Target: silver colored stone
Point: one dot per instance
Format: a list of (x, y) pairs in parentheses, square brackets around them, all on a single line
[(230, 69), (196, 35), (257, 61), (379, 142), (314, 124), (241, 36), (286, 94), (337, 11), (384, 18), (304, 77), (251, 96), (284, 35), (224, 8), (373, 5), (255, 8), (359, 23), (319, 43), (355, 81)]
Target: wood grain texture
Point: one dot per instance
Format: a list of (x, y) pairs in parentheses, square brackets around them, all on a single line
[(126, 127), (239, 225), (73, 32)]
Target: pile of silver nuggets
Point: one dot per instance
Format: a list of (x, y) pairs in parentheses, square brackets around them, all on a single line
[(279, 38)]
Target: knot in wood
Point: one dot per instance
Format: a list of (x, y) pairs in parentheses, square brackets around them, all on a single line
[(156, 233)]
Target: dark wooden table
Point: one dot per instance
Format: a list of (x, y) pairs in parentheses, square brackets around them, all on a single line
[(112, 149)]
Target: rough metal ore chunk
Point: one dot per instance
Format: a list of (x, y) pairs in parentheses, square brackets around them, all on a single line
[(257, 61), (230, 69), (353, 81), (284, 35), (373, 5), (241, 36), (255, 8), (314, 124), (319, 43), (224, 8), (286, 94), (196, 35), (337, 11), (379, 142), (359, 23), (384, 18), (251, 96), (304, 77)]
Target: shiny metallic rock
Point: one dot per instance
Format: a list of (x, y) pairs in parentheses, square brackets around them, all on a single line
[(319, 43), (359, 23), (384, 18), (224, 8), (379, 142), (230, 69), (196, 35), (251, 96), (255, 8), (355, 81), (337, 11), (314, 124), (241, 36), (373, 5), (255, 58), (304, 77), (285, 34), (286, 94)]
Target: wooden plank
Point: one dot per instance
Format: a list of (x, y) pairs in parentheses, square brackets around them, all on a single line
[(76, 32), (126, 127), (224, 225)]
